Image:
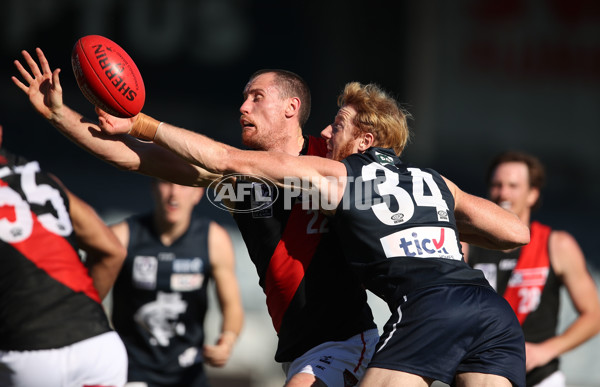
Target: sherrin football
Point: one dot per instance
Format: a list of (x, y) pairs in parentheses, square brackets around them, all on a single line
[(107, 76)]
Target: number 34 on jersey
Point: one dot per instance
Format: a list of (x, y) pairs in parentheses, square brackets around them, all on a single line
[(421, 241)]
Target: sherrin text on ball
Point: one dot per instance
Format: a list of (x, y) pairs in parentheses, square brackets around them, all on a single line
[(107, 76)]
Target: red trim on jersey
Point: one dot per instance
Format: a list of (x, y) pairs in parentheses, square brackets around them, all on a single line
[(362, 352), (529, 276), (317, 146), (294, 252), (53, 254), (289, 262)]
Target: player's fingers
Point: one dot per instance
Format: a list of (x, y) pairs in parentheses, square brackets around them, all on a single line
[(35, 70), (24, 73), (43, 61), (103, 118), (103, 124), (56, 80), (19, 84)]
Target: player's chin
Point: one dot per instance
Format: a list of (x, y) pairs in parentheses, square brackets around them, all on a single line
[(249, 137)]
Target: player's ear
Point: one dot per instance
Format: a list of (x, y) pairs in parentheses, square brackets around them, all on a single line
[(533, 196), (366, 141), (293, 106)]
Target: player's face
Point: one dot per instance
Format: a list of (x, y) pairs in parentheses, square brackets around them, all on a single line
[(263, 114), (341, 141), (509, 188), (174, 203)]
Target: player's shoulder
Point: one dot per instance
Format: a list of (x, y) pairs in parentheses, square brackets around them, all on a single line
[(564, 251), (218, 231), (562, 240)]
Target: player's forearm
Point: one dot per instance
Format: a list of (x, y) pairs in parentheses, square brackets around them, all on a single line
[(221, 159), (195, 148), (104, 252), (89, 137), (582, 329), (104, 272), (483, 223), (233, 320)]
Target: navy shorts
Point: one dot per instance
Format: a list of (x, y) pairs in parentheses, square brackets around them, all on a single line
[(443, 330)]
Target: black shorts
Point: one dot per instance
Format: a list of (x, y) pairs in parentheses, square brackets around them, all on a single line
[(443, 330)]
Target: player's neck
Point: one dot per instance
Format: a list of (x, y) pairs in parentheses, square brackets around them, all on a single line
[(293, 144), (170, 232)]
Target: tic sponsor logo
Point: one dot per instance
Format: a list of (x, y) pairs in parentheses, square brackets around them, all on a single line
[(422, 242)]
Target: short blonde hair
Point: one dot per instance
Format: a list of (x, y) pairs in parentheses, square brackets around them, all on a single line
[(377, 113)]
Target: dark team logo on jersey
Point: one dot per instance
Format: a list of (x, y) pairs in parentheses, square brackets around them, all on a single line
[(384, 159), (398, 218), (239, 193)]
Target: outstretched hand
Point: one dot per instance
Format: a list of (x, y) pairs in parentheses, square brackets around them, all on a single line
[(113, 125), (42, 86)]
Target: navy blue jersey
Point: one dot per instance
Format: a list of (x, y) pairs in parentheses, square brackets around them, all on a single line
[(398, 227), (160, 300), (312, 295), (47, 298), (400, 234)]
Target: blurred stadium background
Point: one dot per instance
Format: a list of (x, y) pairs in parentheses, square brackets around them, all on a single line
[(479, 76)]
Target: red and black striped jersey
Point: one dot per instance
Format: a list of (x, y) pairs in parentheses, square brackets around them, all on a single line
[(312, 295), (47, 298)]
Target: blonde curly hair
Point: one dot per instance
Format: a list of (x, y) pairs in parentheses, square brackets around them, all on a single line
[(377, 113)]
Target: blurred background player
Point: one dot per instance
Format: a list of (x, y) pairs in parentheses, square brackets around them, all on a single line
[(160, 296), (53, 328), (530, 277), (325, 328)]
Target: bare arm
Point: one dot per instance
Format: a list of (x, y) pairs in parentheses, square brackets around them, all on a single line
[(124, 152), (486, 224), (104, 252), (569, 264), (223, 269), (282, 168), (121, 230)]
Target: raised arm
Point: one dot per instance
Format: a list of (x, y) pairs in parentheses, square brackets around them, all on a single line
[(42, 86), (222, 159), (483, 223)]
